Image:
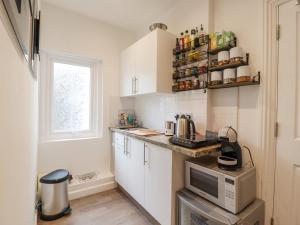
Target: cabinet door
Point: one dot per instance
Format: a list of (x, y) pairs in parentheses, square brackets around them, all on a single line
[(127, 72), (121, 162), (136, 176), (158, 183), (146, 64)]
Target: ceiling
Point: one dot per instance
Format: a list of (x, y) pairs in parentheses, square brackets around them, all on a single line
[(132, 15)]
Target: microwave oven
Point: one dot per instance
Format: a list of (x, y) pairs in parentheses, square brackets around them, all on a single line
[(194, 210), (231, 190)]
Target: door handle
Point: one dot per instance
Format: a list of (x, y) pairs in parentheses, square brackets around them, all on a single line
[(132, 90), (135, 89), (126, 144), (297, 2), (124, 148), (145, 154)]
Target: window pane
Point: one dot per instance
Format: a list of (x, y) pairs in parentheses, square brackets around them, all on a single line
[(71, 98)]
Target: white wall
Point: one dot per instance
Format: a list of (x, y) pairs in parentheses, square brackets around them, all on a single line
[(63, 31), (239, 107), (18, 133), (154, 110)]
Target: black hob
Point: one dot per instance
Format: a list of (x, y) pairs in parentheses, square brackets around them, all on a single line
[(196, 141)]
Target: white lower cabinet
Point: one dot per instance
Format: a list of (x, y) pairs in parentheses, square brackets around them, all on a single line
[(121, 162), (158, 183), (135, 169), (145, 172)]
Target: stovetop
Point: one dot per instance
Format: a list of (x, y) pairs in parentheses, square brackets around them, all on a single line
[(197, 141)]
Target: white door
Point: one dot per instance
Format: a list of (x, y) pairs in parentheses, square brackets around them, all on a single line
[(158, 183), (146, 64), (136, 176), (287, 176), (127, 72), (121, 161)]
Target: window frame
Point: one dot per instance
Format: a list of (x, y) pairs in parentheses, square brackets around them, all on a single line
[(47, 132)]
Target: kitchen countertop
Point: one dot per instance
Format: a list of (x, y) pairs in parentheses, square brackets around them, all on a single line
[(163, 141)]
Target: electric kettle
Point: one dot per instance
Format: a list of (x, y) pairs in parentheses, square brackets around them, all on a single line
[(185, 127)]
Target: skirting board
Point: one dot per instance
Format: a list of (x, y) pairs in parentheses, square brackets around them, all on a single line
[(93, 188)]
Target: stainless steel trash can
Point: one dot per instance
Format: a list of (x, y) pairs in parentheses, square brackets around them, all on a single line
[(54, 195)]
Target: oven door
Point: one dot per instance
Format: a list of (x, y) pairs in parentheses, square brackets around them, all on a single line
[(192, 212), (205, 183)]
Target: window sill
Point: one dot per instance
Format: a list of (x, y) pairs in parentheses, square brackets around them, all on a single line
[(54, 140)]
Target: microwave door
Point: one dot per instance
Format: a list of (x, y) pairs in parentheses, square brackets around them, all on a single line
[(204, 182), (193, 213)]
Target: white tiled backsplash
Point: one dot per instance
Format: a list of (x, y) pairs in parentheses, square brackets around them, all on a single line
[(154, 110)]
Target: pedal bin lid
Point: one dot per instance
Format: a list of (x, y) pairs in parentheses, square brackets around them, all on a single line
[(55, 177)]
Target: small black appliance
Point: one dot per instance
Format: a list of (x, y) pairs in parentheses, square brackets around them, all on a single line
[(231, 152), (196, 141)]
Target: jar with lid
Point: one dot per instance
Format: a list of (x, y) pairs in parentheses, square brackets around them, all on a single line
[(187, 71), (194, 70), (176, 74), (216, 78), (243, 74), (236, 55), (223, 58), (202, 69), (188, 84), (175, 87), (196, 84), (229, 76), (181, 73), (181, 85), (214, 62)]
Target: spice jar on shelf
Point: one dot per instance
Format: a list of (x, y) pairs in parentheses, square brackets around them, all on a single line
[(236, 55), (181, 86), (187, 72), (175, 87), (188, 84), (182, 73), (202, 69), (216, 78), (196, 84), (229, 76), (223, 58), (176, 74), (194, 70), (214, 63), (243, 74)]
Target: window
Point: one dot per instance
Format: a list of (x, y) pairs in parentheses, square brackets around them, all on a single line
[(69, 87)]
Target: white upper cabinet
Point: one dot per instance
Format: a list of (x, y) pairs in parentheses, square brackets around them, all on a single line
[(146, 66), (127, 72)]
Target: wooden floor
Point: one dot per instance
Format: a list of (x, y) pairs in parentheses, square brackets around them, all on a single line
[(107, 208)]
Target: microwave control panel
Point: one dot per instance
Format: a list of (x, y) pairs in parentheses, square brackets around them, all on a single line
[(230, 193)]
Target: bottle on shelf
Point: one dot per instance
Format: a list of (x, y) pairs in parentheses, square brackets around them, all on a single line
[(202, 35), (187, 40), (196, 39), (177, 45), (181, 41), (193, 34)]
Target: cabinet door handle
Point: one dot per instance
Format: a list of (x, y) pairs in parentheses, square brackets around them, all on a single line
[(132, 89), (127, 146), (144, 154), (145, 161), (124, 148), (135, 89)]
